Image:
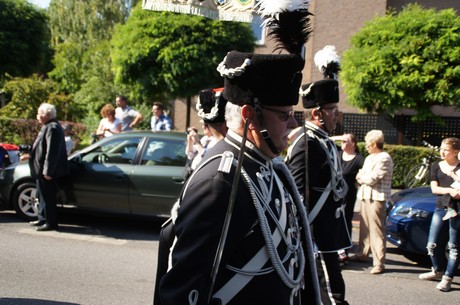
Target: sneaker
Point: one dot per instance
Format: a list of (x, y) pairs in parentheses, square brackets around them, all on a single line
[(378, 269), (431, 276), (444, 284), (451, 213)]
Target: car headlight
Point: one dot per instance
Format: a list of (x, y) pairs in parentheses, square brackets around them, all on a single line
[(410, 212)]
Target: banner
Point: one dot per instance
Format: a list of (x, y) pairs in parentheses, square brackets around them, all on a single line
[(226, 10)]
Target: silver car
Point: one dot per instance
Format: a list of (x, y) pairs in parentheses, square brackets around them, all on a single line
[(133, 173)]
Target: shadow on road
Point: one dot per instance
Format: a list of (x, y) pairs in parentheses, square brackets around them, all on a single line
[(19, 301), (112, 226)]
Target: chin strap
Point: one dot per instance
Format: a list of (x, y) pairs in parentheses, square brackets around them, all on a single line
[(263, 129)]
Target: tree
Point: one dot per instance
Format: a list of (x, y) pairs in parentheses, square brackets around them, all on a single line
[(24, 96), (407, 60), (24, 39), (81, 31), (161, 55)]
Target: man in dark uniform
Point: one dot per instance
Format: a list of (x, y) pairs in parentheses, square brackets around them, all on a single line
[(255, 247), (313, 161), (211, 109)]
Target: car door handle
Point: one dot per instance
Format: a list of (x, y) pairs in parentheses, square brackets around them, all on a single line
[(119, 177), (178, 179)]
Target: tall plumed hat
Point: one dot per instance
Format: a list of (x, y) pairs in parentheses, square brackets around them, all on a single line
[(211, 106), (271, 79), (327, 90)]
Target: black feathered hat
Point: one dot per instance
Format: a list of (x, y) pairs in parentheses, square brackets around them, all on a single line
[(322, 92), (327, 90), (211, 106), (270, 79)]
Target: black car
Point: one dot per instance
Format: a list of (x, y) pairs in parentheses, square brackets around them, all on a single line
[(134, 173)]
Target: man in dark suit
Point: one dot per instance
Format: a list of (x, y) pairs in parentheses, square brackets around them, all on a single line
[(317, 170), (241, 230), (267, 255), (48, 163)]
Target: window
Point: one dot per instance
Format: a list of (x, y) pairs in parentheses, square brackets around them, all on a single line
[(119, 151), (164, 152), (258, 30)]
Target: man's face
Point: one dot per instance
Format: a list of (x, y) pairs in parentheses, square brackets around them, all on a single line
[(156, 111), (120, 102), (42, 116), (279, 121), (330, 116)]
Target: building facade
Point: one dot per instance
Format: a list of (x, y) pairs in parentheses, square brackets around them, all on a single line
[(333, 23)]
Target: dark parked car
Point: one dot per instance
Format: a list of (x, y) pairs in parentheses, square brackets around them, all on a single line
[(408, 222), (134, 173)]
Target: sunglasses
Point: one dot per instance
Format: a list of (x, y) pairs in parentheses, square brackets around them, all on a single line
[(284, 115)]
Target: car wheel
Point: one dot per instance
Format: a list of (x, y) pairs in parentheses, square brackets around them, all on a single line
[(25, 201)]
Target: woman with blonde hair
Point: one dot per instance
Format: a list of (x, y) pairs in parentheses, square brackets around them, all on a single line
[(375, 180), (444, 231)]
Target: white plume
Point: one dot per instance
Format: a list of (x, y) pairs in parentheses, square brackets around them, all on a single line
[(326, 56)]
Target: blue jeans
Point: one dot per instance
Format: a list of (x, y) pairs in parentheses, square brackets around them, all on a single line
[(444, 233)]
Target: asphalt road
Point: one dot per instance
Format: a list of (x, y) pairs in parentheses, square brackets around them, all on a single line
[(99, 260)]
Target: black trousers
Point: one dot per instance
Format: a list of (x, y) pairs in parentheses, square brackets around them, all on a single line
[(166, 240), (332, 285), (47, 203)]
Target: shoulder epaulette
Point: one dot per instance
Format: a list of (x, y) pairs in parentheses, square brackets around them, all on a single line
[(226, 162)]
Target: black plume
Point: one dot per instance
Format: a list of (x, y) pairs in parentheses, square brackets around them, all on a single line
[(290, 30)]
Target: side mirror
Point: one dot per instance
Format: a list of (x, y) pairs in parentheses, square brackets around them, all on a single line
[(77, 159)]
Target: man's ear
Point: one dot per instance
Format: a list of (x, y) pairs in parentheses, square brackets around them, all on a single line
[(248, 113), (316, 113)]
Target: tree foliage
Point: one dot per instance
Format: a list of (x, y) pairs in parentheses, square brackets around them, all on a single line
[(160, 55), (24, 39), (24, 96), (81, 32), (407, 60)]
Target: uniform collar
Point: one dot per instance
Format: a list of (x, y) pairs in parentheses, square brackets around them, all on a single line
[(316, 129), (235, 140)]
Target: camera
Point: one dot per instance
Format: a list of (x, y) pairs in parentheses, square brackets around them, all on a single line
[(190, 129)]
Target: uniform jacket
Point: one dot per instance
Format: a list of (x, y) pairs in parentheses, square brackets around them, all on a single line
[(329, 229), (376, 177), (49, 155), (198, 227)]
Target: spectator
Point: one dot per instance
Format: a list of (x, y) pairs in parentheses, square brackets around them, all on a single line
[(352, 161), (375, 189), (69, 144), (444, 232), (109, 124), (48, 163), (160, 121), (127, 115)]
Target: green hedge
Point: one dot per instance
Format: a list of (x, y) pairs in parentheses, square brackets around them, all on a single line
[(24, 131)]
